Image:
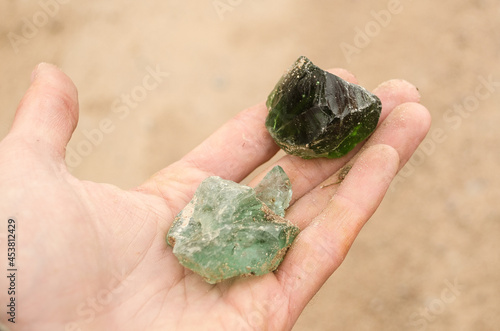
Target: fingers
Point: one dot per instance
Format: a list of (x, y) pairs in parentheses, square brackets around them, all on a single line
[(307, 174), (48, 113), (321, 247)]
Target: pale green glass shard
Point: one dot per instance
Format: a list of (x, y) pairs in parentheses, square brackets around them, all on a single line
[(275, 190), (226, 231)]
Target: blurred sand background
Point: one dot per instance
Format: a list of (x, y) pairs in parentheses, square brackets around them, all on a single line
[(428, 259)]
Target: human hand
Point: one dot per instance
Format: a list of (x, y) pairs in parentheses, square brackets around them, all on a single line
[(94, 257)]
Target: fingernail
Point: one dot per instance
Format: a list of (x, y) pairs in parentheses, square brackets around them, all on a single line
[(39, 68), (34, 73)]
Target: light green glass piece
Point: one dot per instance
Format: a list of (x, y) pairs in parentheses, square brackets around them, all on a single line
[(275, 190), (227, 231)]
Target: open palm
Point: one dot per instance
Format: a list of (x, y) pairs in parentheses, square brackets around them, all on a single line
[(93, 257)]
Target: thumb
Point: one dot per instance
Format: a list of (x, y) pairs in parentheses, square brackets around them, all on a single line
[(48, 113)]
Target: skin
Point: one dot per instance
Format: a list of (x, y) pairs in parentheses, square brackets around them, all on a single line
[(93, 256)]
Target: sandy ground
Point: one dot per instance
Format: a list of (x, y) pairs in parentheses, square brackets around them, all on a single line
[(426, 260)]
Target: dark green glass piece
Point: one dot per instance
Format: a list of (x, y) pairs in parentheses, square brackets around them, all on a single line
[(227, 231), (313, 113)]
